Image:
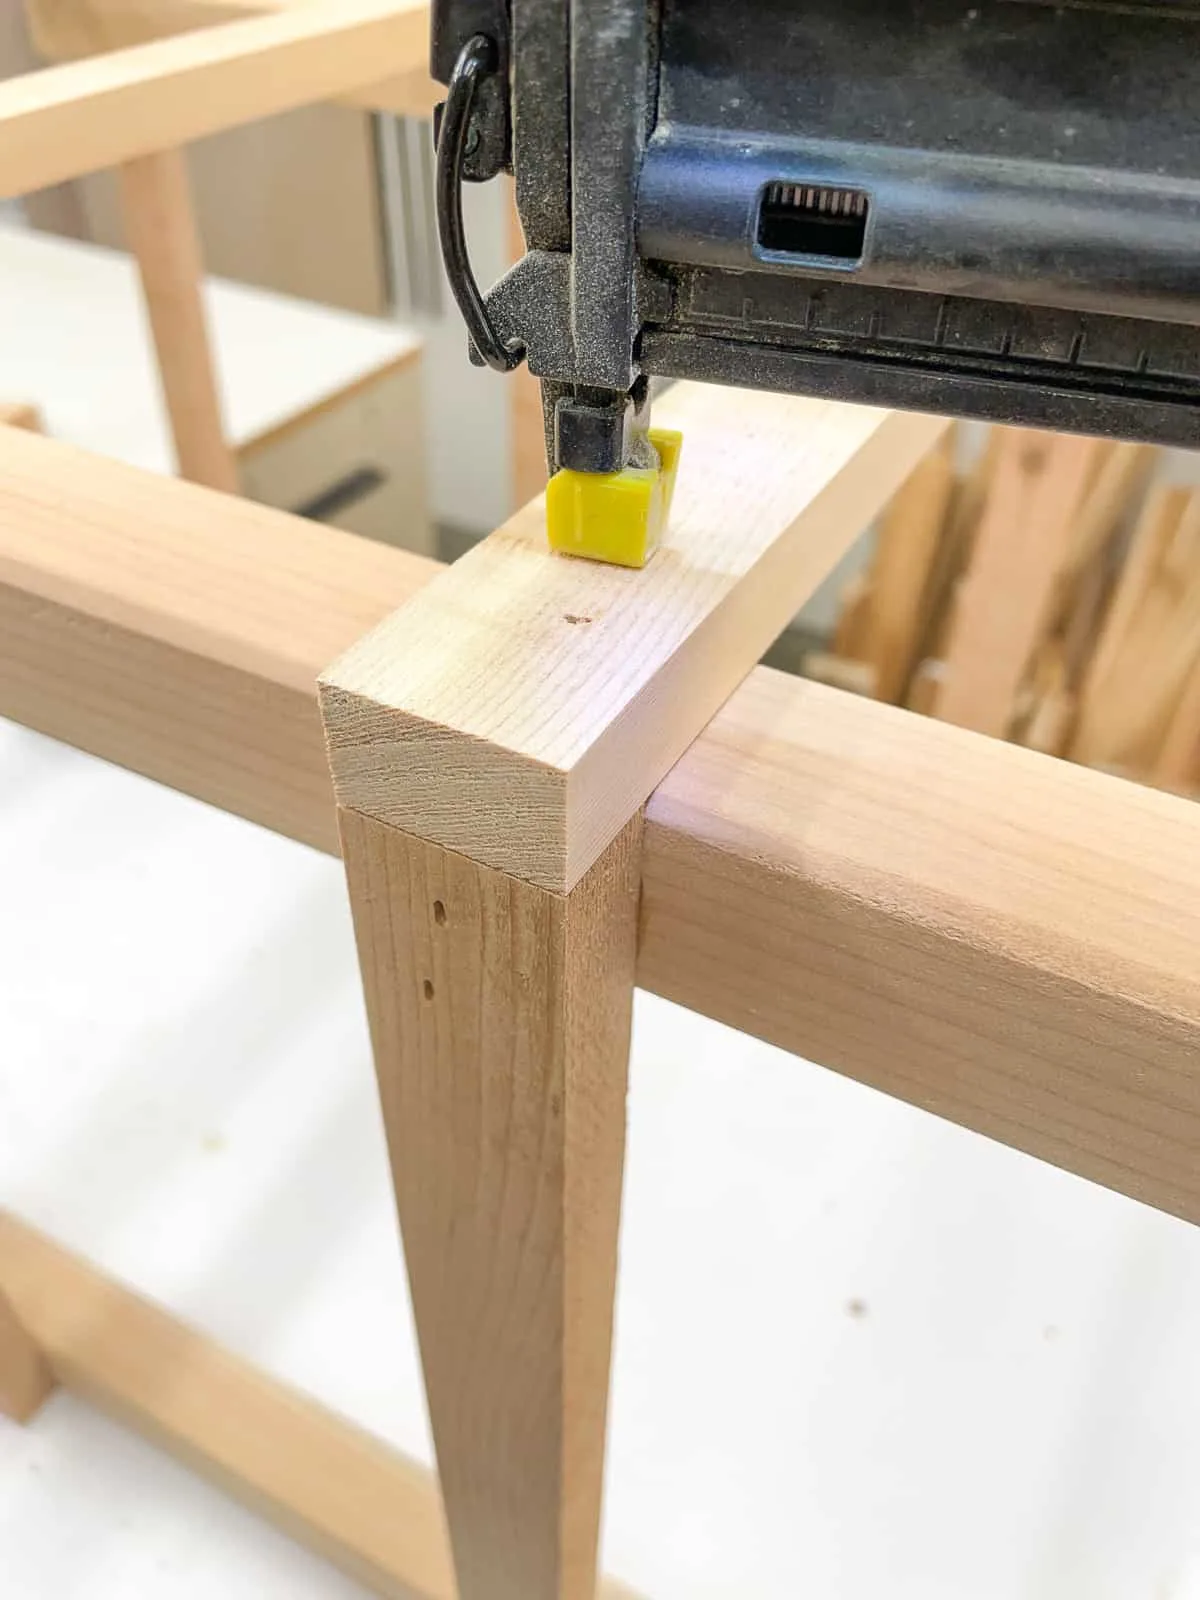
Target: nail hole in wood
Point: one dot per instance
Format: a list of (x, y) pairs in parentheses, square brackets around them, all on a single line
[(427, 986), (439, 913)]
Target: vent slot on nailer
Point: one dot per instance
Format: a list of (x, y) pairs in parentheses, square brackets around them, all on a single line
[(804, 219)]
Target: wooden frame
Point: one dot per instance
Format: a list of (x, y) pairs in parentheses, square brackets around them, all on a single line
[(930, 880), (86, 113), (555, 780), (72, 30), (137, 84), (337, 1490)]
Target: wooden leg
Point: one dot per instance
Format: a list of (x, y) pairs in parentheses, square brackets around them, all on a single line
[(160, 226), (25, 1377), (500, 1016), (492, 744)]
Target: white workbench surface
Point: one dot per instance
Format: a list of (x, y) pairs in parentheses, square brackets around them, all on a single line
[(860, 1354), (74, 339)]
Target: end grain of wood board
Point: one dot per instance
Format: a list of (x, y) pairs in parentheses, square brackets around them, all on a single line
[(1001, 938), (70, 30), (522, 708), (180, 632), (68, 120), (339, 1491)]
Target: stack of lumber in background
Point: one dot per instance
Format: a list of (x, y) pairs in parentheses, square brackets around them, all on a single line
[(1049, 594)]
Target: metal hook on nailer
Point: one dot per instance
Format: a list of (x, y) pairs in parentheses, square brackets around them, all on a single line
[(476, 60)]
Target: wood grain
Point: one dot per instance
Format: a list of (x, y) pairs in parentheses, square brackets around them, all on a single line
[(179, 632), (939, 602), (522, 708), (1005, 602), (1177, 764), (910, 533), (1003, 939), (332, 1487), (1122, 476), (68, 30), (161, 229), (26, 1381), (852, 635), (57, 209), (500, 1018), (85, 115), (1148, 640)]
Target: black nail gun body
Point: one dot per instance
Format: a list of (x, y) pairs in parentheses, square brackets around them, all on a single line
[(989, 209)]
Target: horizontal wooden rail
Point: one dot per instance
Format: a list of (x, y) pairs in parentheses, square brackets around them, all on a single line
[(333, 1487), (1004, 939), (180, 633), (1001, 938), (68, 120), (70, 30)]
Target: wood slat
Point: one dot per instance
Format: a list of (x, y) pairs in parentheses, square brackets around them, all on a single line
[(331, 1486), (1148, 641), (69, 30), (160, 225), (25, 1377), (1177, 765), (179, 632), (1004, 939), (1006, 599), (86, 115), (910, 534)]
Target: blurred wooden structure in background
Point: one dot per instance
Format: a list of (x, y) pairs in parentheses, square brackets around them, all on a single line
[(1049, 594)]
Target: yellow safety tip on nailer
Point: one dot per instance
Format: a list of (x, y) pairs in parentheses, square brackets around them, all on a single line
[(618, 517)]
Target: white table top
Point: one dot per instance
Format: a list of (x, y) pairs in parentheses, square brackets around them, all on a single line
[(860, 1353), (74, 339)]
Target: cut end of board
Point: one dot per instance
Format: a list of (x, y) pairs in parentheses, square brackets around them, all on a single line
[(522, 708)]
